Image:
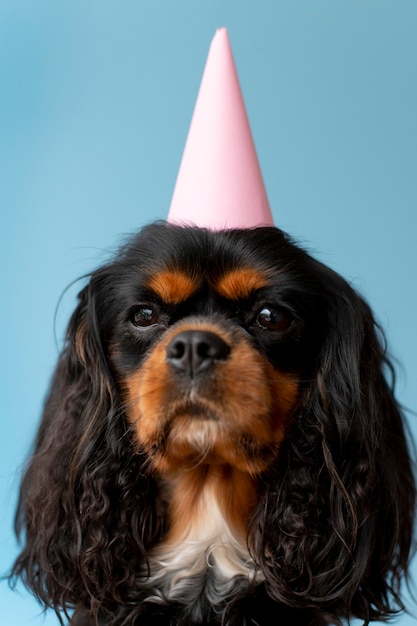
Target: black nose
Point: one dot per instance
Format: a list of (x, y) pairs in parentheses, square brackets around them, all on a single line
[(193, 351)]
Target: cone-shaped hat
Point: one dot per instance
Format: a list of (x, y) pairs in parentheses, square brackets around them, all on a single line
[(219, 183)]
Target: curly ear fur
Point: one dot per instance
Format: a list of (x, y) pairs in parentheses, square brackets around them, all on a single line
[(85, 503), (336, 527)]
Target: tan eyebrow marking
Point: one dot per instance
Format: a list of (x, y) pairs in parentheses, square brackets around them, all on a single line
[(173, 286), (240, 283)]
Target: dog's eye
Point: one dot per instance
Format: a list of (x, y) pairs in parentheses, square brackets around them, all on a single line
[(144, 316), (273, 319)]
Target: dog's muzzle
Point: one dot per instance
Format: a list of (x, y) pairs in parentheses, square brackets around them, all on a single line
[(206, 394)]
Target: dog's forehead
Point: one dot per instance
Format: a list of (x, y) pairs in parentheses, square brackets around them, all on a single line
[(175, 285), (230, 263)]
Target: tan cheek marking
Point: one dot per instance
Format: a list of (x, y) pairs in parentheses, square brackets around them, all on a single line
[(253, 387), (262, 398), (240, 283), (172, 286), (145, 397)]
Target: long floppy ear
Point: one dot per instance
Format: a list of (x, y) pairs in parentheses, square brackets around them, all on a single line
[(82, 511), (336, 528)]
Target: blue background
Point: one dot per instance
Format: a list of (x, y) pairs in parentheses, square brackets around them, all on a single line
[(95, 102)]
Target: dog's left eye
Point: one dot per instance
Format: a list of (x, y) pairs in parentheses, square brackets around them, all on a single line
[(273, 319), (144, 317)]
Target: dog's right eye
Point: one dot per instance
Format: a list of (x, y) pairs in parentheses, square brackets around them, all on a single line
[(144, 317)]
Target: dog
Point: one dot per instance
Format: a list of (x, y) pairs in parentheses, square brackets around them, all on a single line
[(220, 444)]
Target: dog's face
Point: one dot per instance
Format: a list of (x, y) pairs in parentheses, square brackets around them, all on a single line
[(210, 338)]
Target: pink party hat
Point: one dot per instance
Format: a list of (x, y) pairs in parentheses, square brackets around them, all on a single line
[(219, 183)]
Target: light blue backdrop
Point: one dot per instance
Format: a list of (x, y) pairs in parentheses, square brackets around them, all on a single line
[(95, 102)]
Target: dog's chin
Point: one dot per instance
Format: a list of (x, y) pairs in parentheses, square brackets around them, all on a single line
[(196, 435)]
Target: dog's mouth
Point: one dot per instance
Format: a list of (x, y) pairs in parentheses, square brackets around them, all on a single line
[(194, 433), (194, 409), (195, 437)]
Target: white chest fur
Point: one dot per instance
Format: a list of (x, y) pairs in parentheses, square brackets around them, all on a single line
[(205, 550)]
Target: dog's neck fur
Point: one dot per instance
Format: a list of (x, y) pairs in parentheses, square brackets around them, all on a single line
[(209, 498), (206, 546)]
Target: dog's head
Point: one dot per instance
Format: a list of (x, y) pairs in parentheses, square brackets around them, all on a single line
[(212, 341), (238, 356)]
